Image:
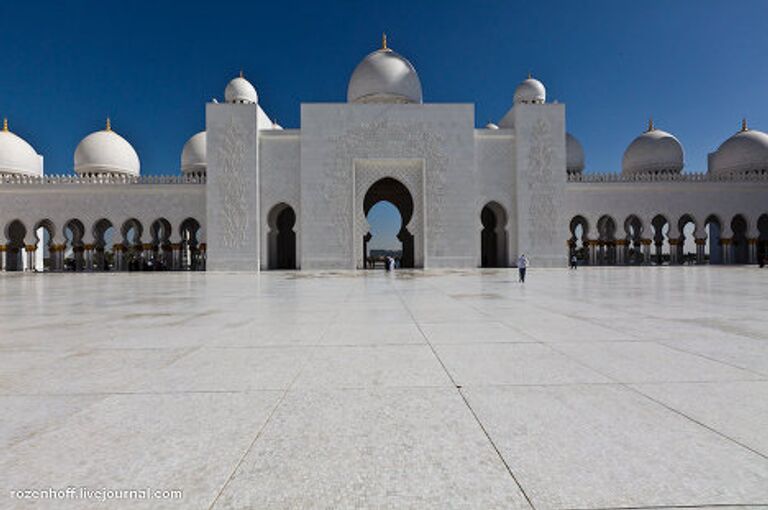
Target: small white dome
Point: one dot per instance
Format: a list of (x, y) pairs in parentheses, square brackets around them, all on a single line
[(654, 151), (193, 155), (491, 125), (17, 156), (106, 152), (574, 155), (746, 151), (530, 91), (240, 90), (384, 77)]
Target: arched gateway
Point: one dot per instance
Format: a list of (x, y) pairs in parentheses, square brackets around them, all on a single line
[(399, 182), (394, 192)]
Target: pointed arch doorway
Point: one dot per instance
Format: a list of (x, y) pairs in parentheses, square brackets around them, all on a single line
[(396, 193), (493, 237), (401, 183)]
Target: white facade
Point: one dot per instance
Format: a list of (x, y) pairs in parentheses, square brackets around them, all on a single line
[(255, 196)]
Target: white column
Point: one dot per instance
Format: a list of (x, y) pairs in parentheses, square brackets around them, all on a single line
[(176, 249), (700, 244), (118, 250), (89, 257), (646, 250), (592, 249), (752, 243), (725, 246), (621, 252), (2, 257), (673, 251)]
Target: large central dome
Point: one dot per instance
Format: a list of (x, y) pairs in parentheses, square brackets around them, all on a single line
[(384, 77)]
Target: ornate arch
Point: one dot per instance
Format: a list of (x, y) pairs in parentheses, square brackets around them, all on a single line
[(408, 172)]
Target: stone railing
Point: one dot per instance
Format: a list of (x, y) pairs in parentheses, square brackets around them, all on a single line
[(111, 179), (683, 177)]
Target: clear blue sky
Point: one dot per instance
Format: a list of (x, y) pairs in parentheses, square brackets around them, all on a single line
[(696, 66)]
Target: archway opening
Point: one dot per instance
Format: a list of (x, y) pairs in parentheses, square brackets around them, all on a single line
[(577, 244), (660, 239), (281, 238), (103, 255), (161, 256), (493, 237), (132, 259), (606, 230), (633, 228), (395, 193), (74, 260), (14, 250), (686, 246), (44, 233), (713, 227), (739, 243), (190, 253)]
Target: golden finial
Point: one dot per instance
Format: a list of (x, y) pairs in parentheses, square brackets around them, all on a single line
[(383, 40), (650, 124), (530, 75), (241, 74), (744, 124), (5, 124), (109, 124)]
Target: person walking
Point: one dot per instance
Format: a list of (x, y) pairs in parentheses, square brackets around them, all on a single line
[(574, 262), (522, 265)]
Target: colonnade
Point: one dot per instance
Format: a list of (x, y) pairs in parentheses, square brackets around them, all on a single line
[(738, 242), (43, 248)]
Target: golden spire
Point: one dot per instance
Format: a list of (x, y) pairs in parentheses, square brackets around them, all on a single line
[(5, 124), (241, 74), (530, 75), (383, 40), (744, 124), (650, 124), (109, 124)]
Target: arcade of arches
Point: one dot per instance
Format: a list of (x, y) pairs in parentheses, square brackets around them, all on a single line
[(102, 246), (667, 240), (131, 246)]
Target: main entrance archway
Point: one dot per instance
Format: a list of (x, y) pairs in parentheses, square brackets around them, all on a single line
[(401, 183), (392, 191)]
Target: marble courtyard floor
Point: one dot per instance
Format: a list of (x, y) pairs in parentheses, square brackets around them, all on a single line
[(594, 389)]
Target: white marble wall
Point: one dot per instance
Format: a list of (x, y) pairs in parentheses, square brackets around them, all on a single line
[(280, 179), (334, 135), (541, 181), (89, 203), (233, 219), (496, 182)]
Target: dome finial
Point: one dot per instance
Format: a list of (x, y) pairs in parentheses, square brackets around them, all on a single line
[(744, 124), (530, 75), (109, 125), (5, 124), (384, 41), (242, 75), (650, 124)]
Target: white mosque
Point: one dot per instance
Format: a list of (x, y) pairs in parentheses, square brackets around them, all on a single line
[(252, 195)]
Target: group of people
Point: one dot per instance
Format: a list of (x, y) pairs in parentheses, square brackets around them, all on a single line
[(390, 263)]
